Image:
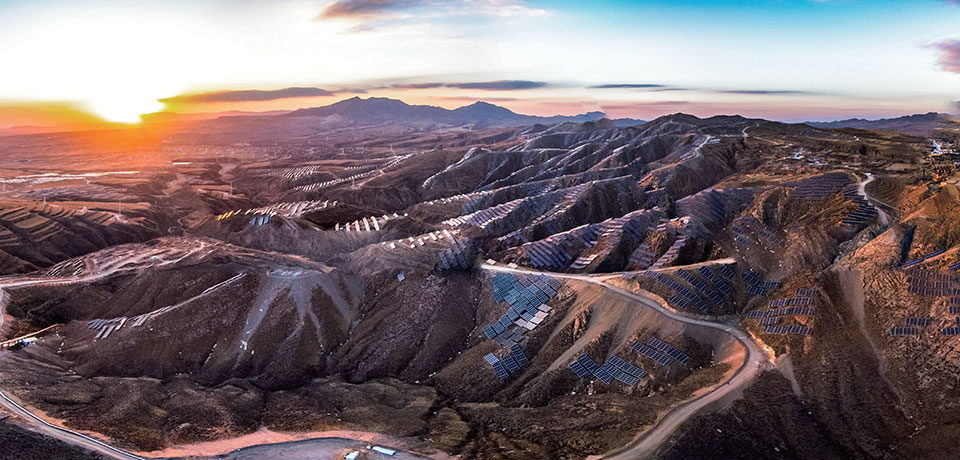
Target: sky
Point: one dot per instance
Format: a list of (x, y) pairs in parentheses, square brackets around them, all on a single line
[(789, 60)]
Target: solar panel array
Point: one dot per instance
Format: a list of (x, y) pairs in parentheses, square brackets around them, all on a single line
[(707, 273), (793, 329), (570, 197), (818, 188), (746, 225), (951, 331), (756, 280), (897, 331), (554, 251), (769, 321), (510, 364), (727, 271), (919, 321), (459, 256), (672, 252), (791, 302), (687, 296), (643, 256), (931, 283), (806, 292), (911, 263), (788, 311), (864, 210), (954, 266), (672, 352), (546, 254), (585, 366), (701, 286), (311, 187), (528, 296), (708, 209), (651, 353)]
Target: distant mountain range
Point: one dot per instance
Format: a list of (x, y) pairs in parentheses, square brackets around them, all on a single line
[(480, 114), (921, 124)]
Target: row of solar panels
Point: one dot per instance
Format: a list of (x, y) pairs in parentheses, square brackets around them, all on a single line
[(791, 302), (793, 329), (787, 311), (903, 331), (613, 368), (932, 284), (755, 280), (671, 283), (701, 286), (510, 364), (932, 275), (932, 292)]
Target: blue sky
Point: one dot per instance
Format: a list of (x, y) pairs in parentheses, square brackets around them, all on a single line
[(781, 59)]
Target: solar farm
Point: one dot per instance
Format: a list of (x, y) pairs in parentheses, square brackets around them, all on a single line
[(655, 351)]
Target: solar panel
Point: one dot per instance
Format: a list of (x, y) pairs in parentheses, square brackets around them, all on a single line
[(951, 331), (512, 364), (578, 369), (518, 354), (501, 371), (604, 374), (919, 321), (651, 353), (669, 349), (898, 331)]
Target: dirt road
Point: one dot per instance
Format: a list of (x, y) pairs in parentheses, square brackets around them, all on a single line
[(649, 442)]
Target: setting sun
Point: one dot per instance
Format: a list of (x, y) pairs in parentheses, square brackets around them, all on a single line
[(124, 109)]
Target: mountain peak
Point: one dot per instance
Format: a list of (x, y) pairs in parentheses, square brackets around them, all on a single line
[(480, 113)]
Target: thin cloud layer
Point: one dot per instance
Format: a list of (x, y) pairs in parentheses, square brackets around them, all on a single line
[(762, 92), (366, 8), (949, 55), (370, 14), (248, 95), (498, 85), (627, 86)]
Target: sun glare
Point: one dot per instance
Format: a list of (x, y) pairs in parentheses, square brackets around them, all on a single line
[(122, 109)]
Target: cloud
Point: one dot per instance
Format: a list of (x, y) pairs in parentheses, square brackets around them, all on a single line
[(371, 14), (476, 99), (366, 8), (497, 85), (761, 92), (248, 95), (949, 54), (627, 85)]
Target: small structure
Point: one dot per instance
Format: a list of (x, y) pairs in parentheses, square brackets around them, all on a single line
[(383, 450)]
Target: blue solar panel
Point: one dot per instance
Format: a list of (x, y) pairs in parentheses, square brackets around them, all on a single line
[(651, 353), (903, 331), (578, 369), (669, 349), (919, 321)]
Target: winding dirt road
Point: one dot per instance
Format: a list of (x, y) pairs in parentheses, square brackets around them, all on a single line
[(647, 445)]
